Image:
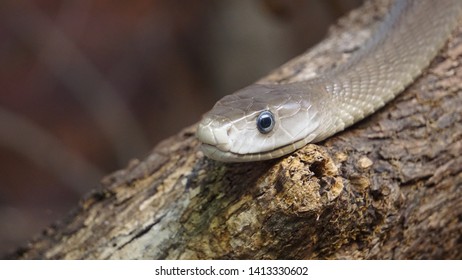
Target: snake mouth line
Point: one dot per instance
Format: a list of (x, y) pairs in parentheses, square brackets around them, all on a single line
[(227, 156)]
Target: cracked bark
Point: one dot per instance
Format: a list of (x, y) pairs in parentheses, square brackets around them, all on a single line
[(388, 187)]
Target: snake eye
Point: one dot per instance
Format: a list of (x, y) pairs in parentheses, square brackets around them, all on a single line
[(265, 122)]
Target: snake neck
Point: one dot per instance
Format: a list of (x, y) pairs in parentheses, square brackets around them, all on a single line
[(403, 46)]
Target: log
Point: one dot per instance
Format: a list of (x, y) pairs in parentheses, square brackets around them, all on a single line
[(389, 187)]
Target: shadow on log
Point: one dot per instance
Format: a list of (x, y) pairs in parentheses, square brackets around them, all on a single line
[(389, 187)]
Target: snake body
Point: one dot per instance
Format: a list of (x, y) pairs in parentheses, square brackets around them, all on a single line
[(262, 122)]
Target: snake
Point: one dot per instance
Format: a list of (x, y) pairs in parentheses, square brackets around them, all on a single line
[(266, 121)]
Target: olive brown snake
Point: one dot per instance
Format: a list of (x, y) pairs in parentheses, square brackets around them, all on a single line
[(262, 122)]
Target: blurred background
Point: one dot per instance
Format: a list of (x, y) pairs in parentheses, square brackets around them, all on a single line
[(87, 85)]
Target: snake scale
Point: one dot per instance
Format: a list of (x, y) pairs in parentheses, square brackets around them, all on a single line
[(264, 121)]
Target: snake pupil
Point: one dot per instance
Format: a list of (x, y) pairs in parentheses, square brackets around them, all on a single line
[(265, 122)]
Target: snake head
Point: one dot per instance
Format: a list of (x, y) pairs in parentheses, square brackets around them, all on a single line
[(258, 122)]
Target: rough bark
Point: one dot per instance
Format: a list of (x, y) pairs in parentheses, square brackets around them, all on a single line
[(388, 187)]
